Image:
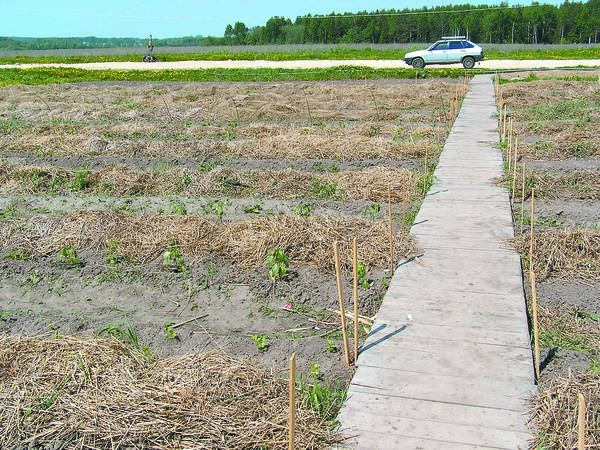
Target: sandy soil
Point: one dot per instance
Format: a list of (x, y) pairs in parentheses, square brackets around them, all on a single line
[(312, 64)]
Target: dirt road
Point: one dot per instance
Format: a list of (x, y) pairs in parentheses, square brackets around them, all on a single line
[(312, 64)]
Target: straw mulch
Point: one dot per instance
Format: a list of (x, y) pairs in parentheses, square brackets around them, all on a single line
[(306, 241), (563, 253), (369, 184), (554, 412), (73, 392), (580, 184)]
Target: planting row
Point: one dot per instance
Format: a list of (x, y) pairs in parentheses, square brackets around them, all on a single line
[(558, 237)]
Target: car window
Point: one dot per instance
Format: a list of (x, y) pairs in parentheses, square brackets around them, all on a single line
[(467, 44), (455, 45), (441, 46)]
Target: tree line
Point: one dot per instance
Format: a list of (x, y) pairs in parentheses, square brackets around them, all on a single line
[(570, 22)]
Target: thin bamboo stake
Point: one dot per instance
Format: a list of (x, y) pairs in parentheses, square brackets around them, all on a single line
[(292, 405), (536, 335), (391, 230), (523, 198), (338, 274), (426, 169), (581, 422), (514, 185), (510, 142), (532, 224), (504, 123), (355, 296)]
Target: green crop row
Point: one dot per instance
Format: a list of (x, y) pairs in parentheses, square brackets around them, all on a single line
[(52, 75)]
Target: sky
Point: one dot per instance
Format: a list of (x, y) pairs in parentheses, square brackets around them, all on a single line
[(172, 18)]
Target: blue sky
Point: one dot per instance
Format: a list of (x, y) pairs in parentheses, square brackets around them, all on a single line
[(169, 18)]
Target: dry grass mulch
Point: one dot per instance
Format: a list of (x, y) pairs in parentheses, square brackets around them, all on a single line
[(368, 184), (563, 253), (555, 409), (97, 393), (306, 241)]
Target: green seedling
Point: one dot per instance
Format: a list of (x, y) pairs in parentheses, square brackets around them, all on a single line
[(81, 181), (581, 314), (372, 211), (10, 212), (185, 181), (361, 271), (170, 333), (331, 345), (254, 209), (324, 190), (277, 263), (260, 340), (69, 256), (217, 208), (322, 399), (303, 210), (16, 254), (178, 208), (113, 256), (173, 259), (205, 166)]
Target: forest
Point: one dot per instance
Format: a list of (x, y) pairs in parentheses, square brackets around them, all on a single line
[(571, 22)]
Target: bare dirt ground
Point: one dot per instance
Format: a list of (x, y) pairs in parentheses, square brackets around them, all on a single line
[(313, 64), (558, 146), (225, 172)]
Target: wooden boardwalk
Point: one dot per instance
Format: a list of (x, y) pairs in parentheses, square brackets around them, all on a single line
[(448, 362)]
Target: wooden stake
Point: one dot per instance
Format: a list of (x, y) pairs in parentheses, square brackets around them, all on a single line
[(532, 223), (514, 186), (503, 123), (581, 422), (536, 335), (509, 144), (292, 405), (355, 296), (338, 274), (391, 229), (523, 198), (426, 169)]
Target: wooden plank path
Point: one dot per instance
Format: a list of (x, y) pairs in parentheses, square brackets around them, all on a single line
[(448, 362)]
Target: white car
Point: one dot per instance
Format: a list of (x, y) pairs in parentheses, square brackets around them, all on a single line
[(448, 50)]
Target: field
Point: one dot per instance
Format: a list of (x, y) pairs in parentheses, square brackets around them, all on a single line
[(185, 218), (555, 118), (292, 52)]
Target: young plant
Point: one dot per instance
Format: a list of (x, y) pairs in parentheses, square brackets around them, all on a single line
[(372, 211), (16, 254), (331, 345), (217, 208), (205, 166), (260, 340), (173, 259), (170, 333), (303, 210), (178, 208), (361, 272), (113, 256), (324, 400), (69, 256), (254, 209), (278, 264), (81, 181)]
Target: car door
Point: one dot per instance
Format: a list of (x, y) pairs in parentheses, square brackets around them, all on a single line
[(438, 54), (456, 52)]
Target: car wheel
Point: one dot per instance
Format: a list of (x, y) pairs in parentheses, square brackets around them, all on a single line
[(468, 62), (418, 63)]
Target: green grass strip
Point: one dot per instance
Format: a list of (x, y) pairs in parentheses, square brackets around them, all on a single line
[(592, 52), (54, 75)]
